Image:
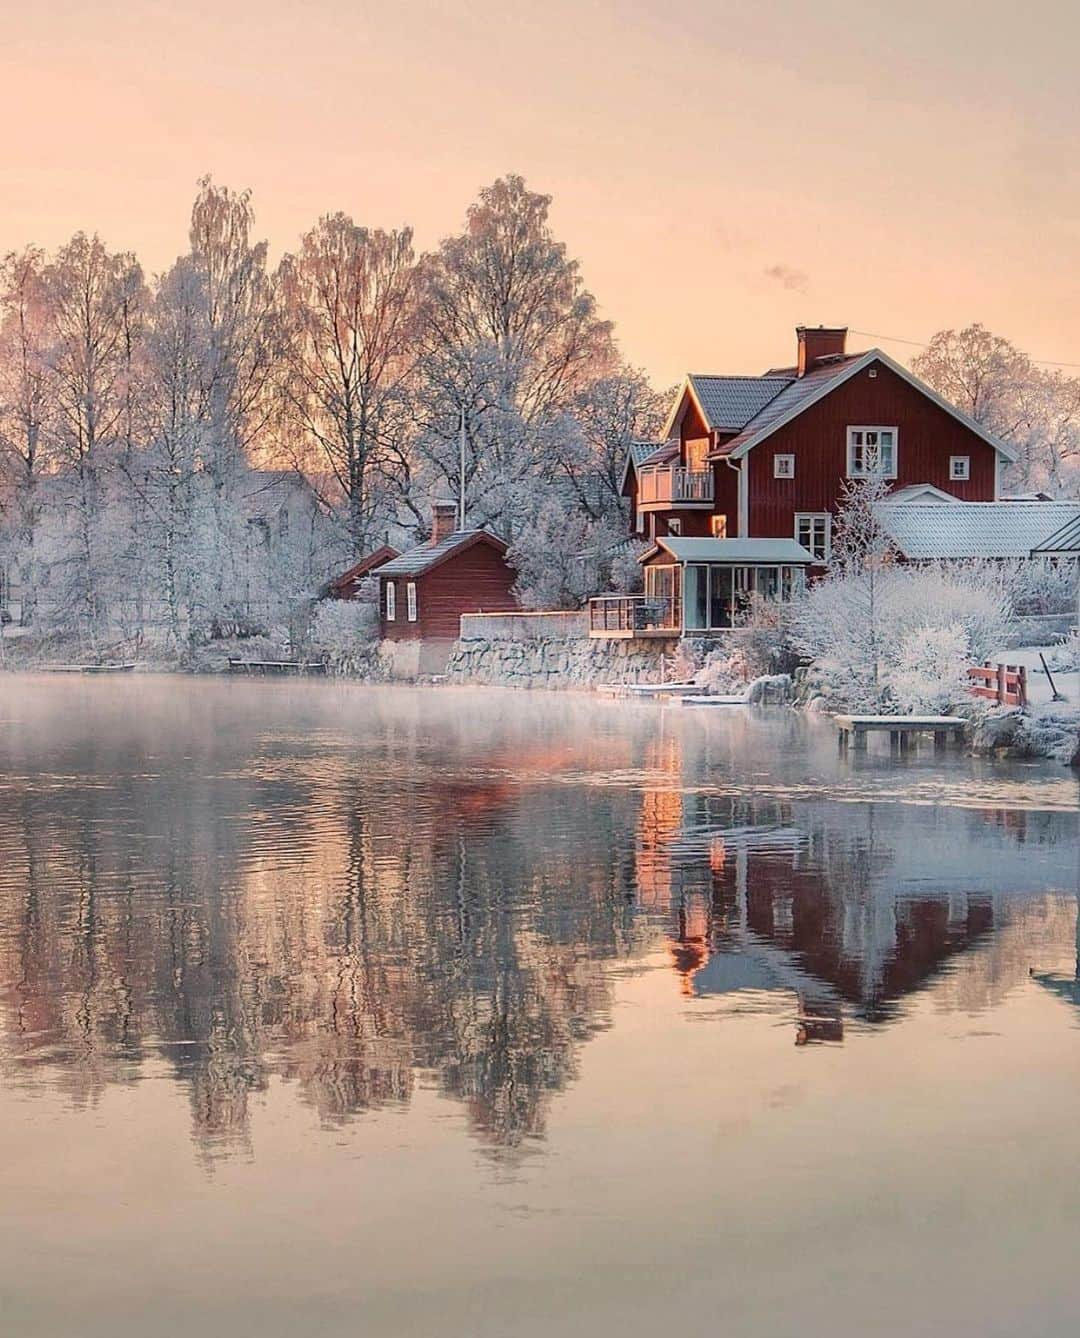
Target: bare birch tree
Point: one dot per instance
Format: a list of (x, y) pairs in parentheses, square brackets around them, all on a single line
[(510, 336), (1036, 410), (349, 296), (94, 298), (26, 407)]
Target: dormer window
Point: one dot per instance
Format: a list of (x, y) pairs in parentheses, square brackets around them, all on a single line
[(783, 466), (871, 452), (959, 467)]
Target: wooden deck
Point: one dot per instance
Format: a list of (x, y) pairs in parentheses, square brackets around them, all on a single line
[(903, 730), (277, 667), (88, 668)]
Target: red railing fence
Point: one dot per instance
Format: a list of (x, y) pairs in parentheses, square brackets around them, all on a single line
[(1005, 684)]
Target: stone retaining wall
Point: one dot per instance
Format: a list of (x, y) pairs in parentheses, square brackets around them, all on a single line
[(566, 624), (557, 661)]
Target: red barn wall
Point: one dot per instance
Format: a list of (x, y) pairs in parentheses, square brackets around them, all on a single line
[(927, 436), (474, 581)]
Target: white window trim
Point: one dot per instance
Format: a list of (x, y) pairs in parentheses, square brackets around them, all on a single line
[(873, 427), (778, 473), (675, 527), (965, 462), (811, 516), (391, 602), (410, 601)]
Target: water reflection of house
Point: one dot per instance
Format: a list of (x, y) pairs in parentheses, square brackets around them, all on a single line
[(841, 906)]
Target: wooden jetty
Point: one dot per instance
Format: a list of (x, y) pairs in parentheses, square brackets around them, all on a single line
[(902, 730), (277, 668), (88, 668)]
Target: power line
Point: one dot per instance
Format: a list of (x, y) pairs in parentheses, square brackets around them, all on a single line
[(919, 343)]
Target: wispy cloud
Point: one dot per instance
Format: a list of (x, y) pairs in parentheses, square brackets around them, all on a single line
[(794, 280)]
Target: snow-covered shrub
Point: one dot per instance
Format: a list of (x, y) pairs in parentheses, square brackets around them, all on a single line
[(1065, 656), (765, 639), (931, 667), (343, 628), (726, 670), (971, 595), (872, 626), (1041, 586)]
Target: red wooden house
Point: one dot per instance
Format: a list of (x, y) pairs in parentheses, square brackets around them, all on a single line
[(424, 592), (756, 458)]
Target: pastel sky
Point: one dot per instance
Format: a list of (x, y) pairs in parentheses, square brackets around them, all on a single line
[(722, 170)]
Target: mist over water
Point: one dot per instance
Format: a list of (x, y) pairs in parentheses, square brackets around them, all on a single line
[(395, 1011)]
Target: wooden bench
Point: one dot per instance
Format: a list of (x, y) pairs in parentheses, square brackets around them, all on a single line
[(901, 729)]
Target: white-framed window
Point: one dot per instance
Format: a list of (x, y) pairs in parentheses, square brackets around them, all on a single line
[(813, 529), (410, 601), (674, 527), (718, 527), (959, 467), (783, 466), (391, 602), (871, 451)]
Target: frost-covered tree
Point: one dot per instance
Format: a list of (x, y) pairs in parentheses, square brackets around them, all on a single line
[(349, 298), (241, 341), (94, 301), (510, 338), (176, 488), (880, 626), (26, 414), (610, 414), (842, 617), (1034, 409)]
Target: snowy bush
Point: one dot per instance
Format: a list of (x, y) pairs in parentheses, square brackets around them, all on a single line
[(344, 628), (1065, 657), (1041, 587), (931, 667), (726, 670), (970, 595), (882, 626)]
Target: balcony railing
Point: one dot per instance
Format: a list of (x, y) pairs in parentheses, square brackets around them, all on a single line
[(673, 484), (632, 615)]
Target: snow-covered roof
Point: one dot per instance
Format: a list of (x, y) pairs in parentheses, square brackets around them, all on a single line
[(419, 560), (642, 451), (921, 492), (927, 530), (1062, 542), (743, 551)]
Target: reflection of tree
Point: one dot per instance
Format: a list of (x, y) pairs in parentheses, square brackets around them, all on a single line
[(244, 917)]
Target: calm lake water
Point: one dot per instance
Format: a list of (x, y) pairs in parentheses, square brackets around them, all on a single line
[(368, 1011)]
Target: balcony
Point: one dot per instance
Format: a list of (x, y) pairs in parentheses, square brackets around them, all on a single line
[(673, 485), (625, 616)]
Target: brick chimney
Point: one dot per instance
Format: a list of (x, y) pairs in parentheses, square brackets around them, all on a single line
[(817, 342), (443, 521)]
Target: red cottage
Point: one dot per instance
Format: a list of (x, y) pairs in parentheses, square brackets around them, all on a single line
[(424, 592), (754, 458)]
